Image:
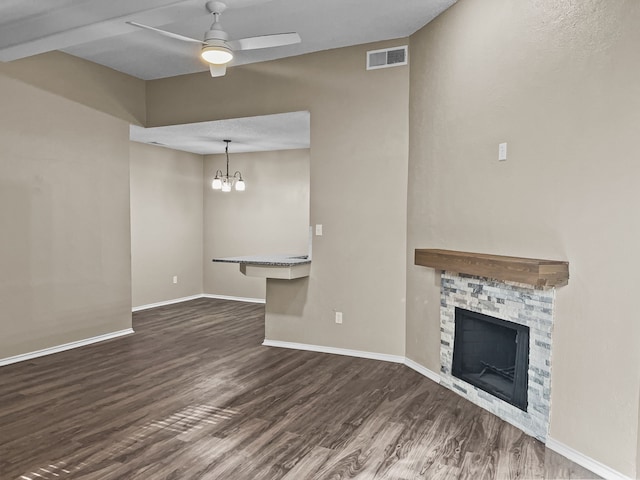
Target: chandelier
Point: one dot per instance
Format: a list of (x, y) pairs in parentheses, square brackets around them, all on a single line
[(224, 182)]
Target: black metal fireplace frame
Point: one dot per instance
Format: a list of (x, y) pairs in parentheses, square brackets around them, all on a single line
[(518, 397)]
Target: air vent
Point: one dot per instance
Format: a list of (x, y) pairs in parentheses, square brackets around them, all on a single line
[(388, 57)]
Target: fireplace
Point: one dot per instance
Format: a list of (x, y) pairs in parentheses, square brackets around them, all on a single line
[(517, 295), (508, 306), (493, 355)]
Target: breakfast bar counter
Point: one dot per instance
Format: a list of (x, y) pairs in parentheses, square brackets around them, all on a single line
[(272, 266)]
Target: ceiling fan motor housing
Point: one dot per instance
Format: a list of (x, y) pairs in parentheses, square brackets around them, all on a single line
[(215, 35)]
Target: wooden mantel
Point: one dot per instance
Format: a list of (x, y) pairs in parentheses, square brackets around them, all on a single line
[(539, 273)]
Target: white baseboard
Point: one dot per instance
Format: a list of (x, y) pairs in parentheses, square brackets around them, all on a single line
[(336, 351), (590, 464), (166, 302), (430, 374), (235, 299), (195, 297), (581, 459), (62, 348)]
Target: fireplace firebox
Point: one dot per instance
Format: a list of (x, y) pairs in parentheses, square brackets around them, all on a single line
[(493, 355)]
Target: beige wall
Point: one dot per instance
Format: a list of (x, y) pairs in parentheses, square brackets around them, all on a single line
[(560, 82), (81, 81), (178, 224), (166, 223), (359, 141), (271, 216), (64, 220), (557, 80)]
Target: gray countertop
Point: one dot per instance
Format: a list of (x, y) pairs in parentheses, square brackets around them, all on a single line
[(268, 260)]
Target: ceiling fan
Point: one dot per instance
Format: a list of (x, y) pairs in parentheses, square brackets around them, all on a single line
[(217, 49)]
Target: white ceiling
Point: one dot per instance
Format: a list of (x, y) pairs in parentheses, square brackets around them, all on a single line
[(96, 29), (283, 131)]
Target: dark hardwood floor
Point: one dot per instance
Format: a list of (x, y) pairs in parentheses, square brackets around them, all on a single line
[(194, 395)]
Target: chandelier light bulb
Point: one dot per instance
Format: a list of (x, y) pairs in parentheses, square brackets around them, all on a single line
[(216, 184), (240, 186)]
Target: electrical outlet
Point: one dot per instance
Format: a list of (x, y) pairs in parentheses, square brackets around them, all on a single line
[(339, 317), (502, 152), (175, 279), (319, 230)]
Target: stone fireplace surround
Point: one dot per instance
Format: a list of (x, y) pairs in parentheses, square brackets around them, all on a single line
[(514, 289), (517, 303)]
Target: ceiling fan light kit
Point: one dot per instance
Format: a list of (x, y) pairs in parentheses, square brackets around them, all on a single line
[(216, 54), (217, 49)]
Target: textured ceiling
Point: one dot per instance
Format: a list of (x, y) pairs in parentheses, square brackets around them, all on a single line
[(282, 131), (97, 30)]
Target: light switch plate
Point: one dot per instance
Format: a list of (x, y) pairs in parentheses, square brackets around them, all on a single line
[(319, 230), (502, 152)]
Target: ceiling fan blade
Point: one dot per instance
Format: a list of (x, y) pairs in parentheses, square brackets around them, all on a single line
[(217, 70), (265, 41), (165, 33)]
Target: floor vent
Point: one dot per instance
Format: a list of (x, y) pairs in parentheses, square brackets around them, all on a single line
[(387, 57)]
